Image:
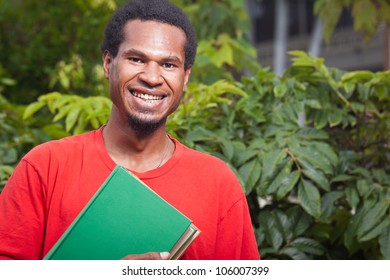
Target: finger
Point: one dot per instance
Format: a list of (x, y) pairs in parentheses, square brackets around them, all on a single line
[(148, 256)]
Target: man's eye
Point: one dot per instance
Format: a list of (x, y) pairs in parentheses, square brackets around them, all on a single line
[(135, 59), (168, 65)]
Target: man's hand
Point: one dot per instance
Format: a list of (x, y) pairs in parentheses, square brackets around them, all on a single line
[(148, 256)]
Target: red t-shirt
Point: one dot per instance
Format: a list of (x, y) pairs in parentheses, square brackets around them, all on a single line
[(55, 180)]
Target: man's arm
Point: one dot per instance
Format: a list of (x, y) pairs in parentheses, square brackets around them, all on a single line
[(236, 239), (22, 219)]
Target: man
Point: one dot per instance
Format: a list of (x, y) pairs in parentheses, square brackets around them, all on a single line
[(148, 51)]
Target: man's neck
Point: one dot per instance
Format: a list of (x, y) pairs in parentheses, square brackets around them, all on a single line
[(136, 153)]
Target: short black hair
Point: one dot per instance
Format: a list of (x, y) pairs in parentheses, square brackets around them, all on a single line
[(149, 10)]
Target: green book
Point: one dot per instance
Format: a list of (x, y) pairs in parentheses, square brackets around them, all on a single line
[(124, 217)]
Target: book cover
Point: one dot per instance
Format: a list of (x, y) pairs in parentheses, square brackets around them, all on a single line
[(124, 217)]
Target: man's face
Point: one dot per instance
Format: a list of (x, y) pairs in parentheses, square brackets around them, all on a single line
[(147, 77)]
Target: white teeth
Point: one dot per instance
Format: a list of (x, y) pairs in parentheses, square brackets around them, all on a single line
[(147, 97)]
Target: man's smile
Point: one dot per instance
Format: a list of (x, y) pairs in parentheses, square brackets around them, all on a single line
[(146, 97)]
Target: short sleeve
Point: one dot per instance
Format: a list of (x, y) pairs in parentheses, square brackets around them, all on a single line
[(22, 214)]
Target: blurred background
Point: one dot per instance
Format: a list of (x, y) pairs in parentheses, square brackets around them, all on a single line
[(292, 24), (296, 94)]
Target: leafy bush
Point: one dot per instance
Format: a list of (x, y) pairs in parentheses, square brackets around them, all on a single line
[(311, 149), (15, 136), (35, 35)]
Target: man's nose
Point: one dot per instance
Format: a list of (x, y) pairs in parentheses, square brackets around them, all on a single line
[(152, 74)]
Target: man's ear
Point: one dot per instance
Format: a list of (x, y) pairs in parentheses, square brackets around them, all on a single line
[(186, 78), (107, 60)]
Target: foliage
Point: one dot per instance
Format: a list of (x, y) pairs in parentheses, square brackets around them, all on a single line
[(15, 136), (79, 113), (35, 35), (223, 48), (226, 16), (367, 14), (310, 148)]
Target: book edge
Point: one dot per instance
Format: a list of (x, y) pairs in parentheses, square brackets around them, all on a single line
[(178, 252)]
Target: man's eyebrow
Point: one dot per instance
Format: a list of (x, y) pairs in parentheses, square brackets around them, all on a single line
[(172, 58), (138, 53), (134, 52)]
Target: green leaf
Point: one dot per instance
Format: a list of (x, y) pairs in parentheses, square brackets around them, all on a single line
[(10, 156), (384, 242), (320, 119), (357, 107), (287, 184), (300, 220), (272, 234), (294, 253), (364, 188), (61, 101), (282, 223), (223, 55), (313, 103), (309, 198), (357, 76), (308, 245), (199, 134), (81, 123), (8, 81), (349, 87), (52, 96), (354, 224), (352, 196), (327, 151), (250, 173), (376, 231), (227, 148), (270, 168), (382, 92), (328, 204), (308, 133), (342, 178), (318, 177), (312, 156), (63, 111), (245, 156), (285, 170), (335, 118), (372, 219), (322, 231), (71, 118), (279, 90), (94, 122), (365, 16), (6, 169), (32, 108)]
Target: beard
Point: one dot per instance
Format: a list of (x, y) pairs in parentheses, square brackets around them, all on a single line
[(144, 127)]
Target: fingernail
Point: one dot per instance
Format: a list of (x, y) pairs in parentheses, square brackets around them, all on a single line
[(165, 255)]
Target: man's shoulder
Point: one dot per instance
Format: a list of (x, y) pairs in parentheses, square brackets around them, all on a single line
[(66, 145)]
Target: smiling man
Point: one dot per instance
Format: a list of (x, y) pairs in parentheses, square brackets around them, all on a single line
[(148, 50)]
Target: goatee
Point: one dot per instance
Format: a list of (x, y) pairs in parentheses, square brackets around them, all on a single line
[(143, 127)]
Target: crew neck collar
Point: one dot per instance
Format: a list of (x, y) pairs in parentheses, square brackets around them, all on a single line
[(166, 167)]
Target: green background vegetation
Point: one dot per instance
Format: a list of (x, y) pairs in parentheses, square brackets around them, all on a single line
[(311, 148)]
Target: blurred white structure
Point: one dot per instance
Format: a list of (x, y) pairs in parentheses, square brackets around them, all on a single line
[(282, 25)]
